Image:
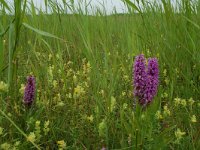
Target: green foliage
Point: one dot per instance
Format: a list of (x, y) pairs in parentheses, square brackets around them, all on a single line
[(83, 69)]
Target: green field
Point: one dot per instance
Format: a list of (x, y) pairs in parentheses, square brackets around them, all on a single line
[(83, 67)]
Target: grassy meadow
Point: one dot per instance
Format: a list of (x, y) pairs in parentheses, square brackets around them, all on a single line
[(83, 67)]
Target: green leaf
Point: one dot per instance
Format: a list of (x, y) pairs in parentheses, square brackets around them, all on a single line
[(192, 22), (5, 5), (1, 54), (132, 5), (11, 46), (43, 33)]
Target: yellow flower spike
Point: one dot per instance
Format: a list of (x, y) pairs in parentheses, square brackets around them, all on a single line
[(46, 127), (179, 134), (113, 104), (69, 63), (90, 118), (166, 111), (5, 146), (159, 115), (78, 91), (57, 56), (125, 106), (102, 128), (177, 101), (17, 143), (191, 101), (22, 88), (61, 104), (3, 87), (1, 130), (61, 144), (37, 130), (75, 78), (55, 84), (193, 119), (166, 81), (50, 57), (183, 102), (177, 71), (123, 93), (158, 55), (165, 72), (31, 137)]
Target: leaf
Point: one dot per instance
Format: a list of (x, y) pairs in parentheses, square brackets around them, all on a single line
[(43, 33), (5, 5), (192, 22), (132, 5), (1, 54)]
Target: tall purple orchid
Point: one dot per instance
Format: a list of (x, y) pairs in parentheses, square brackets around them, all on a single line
[(145, 79), (29, 92)]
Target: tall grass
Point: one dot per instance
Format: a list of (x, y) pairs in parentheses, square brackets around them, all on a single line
[(83, 69)]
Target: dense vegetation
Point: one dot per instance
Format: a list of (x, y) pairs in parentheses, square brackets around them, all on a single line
[(83, 68)]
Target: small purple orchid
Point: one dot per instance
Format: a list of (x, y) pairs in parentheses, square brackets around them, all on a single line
[(29, 92), (145, 79)]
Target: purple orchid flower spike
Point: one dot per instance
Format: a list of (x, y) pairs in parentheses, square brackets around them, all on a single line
[(145, 79), (29, 92)]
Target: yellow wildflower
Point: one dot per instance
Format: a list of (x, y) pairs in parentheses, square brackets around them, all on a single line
[(50, 57), (5, 146), (22, 88), (3, 87), (1, 130), (61, 104), (90, 118), (55, 84), (75, 78), (16, 145), (69, 95), (159, 115), (164, 95), (166, 111), (102, 92), (125, 106), (177, 101), (183, 102), (31, 137), (126, 78), (102, 128), (143, 116), (78, 91), (46, 127), (179, 134), (113, 104), (37, 130), (193, 119), (191, 101), (166, 81), (61, 144), (50, 72), (165, 72), (123, 93)]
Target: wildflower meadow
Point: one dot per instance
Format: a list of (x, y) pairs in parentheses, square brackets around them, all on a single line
[(100, 81)]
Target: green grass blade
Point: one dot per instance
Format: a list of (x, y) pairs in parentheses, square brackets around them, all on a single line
[(11, 46), (1, 55), (35, 145), (43, 33), (5, 5), (132, 5), (192, 22)]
